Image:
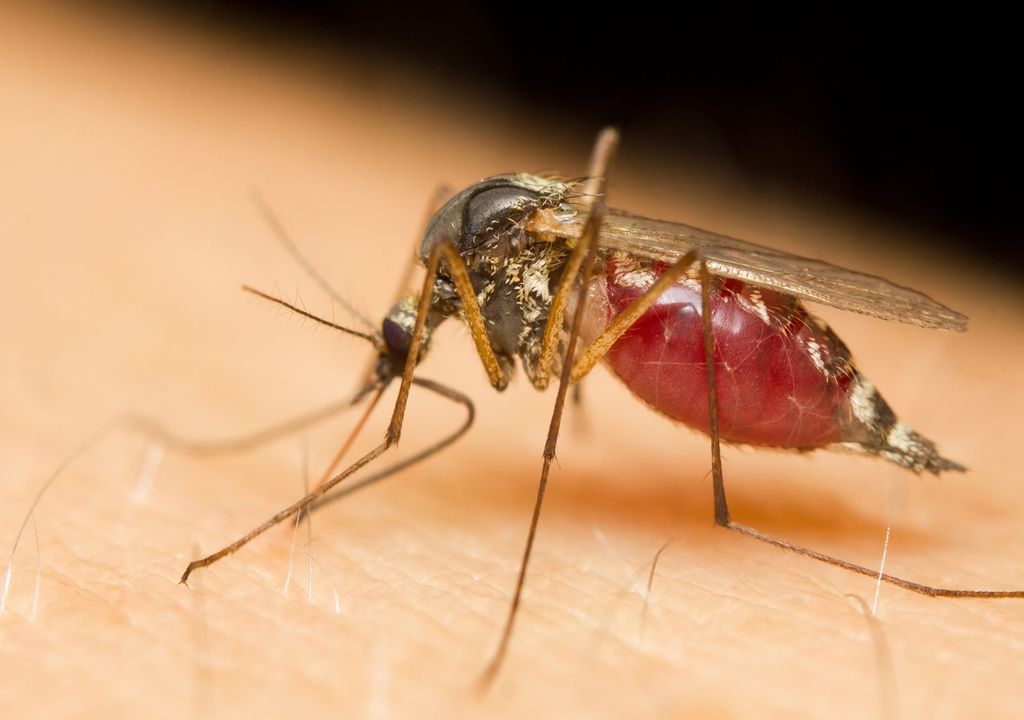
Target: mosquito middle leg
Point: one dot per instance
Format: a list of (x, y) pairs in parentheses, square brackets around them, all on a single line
[(581, 261), (625, 319), (594, 187), (591, 229)]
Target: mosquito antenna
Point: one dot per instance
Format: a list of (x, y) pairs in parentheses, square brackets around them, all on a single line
[(440, 195), (298, 257), (311, 316)]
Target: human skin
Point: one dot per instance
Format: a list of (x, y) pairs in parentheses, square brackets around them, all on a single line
[(130, 153)]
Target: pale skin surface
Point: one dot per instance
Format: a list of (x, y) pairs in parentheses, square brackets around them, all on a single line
[(129, 155)]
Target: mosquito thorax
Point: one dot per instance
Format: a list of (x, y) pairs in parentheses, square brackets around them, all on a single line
[(513, 270), (490, 217)]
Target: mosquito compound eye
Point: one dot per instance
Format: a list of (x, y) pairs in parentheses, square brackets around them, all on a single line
[(397, 338)]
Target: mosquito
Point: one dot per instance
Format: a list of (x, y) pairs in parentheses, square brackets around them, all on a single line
[(708, 330)]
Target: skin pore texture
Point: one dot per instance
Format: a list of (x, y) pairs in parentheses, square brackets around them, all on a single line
[(128, 227)]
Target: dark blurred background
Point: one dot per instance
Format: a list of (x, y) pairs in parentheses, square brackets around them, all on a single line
[(910, 114)]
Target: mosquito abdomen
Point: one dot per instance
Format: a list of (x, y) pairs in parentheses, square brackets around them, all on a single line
[(784, 378)]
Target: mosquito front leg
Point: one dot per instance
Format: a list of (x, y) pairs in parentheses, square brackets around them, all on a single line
[(391, 438), (437, 199)]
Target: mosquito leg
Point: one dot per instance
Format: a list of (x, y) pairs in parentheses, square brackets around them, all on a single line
[(581, 259), (592, 229), (597, 171), (285, 239), (577, 395), (345, 446), (474, 316), (417, 457), (892, 579), (437, 199), (391, 438), (625, 319), (601, 157), (286, 513), (723, 518), (579, 411)]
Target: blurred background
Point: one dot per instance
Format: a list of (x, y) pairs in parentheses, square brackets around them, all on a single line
[(907, 113)]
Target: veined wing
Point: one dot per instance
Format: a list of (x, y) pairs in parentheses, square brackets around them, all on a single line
[(813, 280)]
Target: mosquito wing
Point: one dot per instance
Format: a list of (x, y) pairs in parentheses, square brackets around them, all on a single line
[(806, 278)]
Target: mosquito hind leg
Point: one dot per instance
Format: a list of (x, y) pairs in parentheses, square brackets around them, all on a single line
[(618, 327), (723, 518)]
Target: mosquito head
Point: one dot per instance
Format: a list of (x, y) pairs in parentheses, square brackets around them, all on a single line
[(396, 337), (490, 216)]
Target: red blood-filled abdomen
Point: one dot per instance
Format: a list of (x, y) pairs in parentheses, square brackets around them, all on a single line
[(783, 377)]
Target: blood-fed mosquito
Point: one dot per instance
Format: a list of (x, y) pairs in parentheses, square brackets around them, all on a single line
[(708, 330)]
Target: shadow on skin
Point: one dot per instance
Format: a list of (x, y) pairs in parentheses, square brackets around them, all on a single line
[(670, 500)]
